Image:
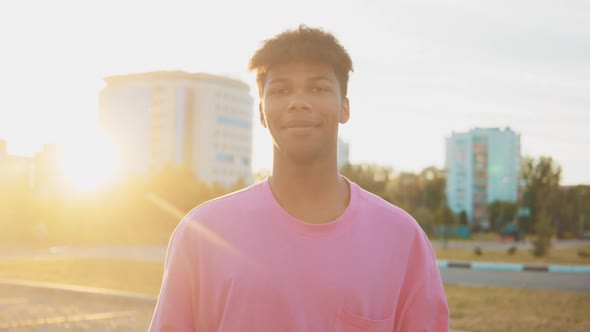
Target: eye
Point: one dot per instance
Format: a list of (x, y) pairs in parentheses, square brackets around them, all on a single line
[(319, 89), (279, 92)]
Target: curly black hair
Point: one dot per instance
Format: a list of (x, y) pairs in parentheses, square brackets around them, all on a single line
[(306, 44)]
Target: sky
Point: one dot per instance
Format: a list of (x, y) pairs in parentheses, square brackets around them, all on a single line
[(423, 69)]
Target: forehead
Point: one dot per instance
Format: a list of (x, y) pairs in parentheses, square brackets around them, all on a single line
[(298, 70)]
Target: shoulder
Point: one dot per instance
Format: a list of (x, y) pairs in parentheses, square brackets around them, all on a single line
[(387, 216), (231, 203), (393, 223), (224, 209)]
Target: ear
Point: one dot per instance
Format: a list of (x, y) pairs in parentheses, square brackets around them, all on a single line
[(345, 111), (261, 115)]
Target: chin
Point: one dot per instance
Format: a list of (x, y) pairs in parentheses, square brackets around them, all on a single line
[(303, 154)]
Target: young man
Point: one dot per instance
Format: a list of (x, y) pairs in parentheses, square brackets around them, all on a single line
[(306, 249)]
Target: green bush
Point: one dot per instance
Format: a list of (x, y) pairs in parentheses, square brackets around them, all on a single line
[(512, 250), (544, 233)]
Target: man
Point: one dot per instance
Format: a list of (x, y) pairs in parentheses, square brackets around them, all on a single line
[(306, 249)]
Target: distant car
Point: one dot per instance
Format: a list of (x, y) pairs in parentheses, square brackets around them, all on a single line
[(511, 230)]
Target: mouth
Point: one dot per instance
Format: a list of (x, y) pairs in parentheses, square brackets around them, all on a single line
[(300, 124)]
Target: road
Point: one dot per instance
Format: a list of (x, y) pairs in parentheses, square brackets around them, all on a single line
[(542, 280), (158, 253), (46, 308), (41, 309), (140, 253), (494, 245), (577, 282)]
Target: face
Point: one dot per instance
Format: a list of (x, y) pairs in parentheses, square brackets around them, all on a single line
[(302, 106)]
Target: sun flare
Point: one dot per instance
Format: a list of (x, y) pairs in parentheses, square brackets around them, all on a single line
[(89, 163)]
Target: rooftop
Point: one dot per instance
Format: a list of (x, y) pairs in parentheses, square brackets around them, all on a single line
[(175, 75)]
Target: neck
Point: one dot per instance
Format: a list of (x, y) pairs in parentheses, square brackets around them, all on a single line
[(303, 188), (305, 178)]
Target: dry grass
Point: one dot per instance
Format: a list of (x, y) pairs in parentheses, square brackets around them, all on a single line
[(567, 256), (472, 308), (511, 310)]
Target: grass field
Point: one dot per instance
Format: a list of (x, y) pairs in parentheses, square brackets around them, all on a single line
[(511, 310), (567, 256), (472, 308)]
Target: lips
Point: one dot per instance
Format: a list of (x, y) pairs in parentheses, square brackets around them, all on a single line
[(300, 124)]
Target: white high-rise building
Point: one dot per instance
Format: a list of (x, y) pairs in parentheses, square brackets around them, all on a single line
[(343, 153), (196, 120), (483, 166)]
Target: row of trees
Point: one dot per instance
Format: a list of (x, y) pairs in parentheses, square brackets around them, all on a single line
[(553, 210), (117, 214), (544, 205), (125, 212), (420, 194), (563, 210)]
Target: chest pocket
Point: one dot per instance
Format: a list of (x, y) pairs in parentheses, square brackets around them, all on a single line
[(349, 322)]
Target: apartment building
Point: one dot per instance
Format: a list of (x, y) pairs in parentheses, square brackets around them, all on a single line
[(483, 166), (196, 120)]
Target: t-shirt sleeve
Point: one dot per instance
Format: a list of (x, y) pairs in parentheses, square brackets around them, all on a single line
[(423, 304), (175, 306)]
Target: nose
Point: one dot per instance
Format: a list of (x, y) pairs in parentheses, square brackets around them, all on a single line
[(299, 101)]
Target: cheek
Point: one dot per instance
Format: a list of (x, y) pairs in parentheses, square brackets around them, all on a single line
[(330, 109), (270, 118), (271, 110)]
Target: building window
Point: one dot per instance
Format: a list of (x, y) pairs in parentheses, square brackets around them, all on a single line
[(224, 158), (233, 122)]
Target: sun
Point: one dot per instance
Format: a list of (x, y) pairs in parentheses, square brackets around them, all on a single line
[(89, 162)]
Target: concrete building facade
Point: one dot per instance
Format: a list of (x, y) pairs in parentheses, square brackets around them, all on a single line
[(199, 121), (343, 153), (482, 166)]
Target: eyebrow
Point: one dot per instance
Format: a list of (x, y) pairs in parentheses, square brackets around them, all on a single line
[(321, 78), (313, 78), (278, 80)]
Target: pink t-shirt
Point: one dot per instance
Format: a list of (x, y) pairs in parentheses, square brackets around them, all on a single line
[(241, 263)]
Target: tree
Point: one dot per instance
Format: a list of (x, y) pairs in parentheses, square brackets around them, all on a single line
[(238, 185), (16, 207), (501, 213), (544, 233), (406, 191), (541, 177), (463, 218), (446, 218), (426, 220), (433, 183), (576, 218), (371, 177), (422, 195)]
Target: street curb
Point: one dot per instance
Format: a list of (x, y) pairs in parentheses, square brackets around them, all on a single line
[(489, 266)]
